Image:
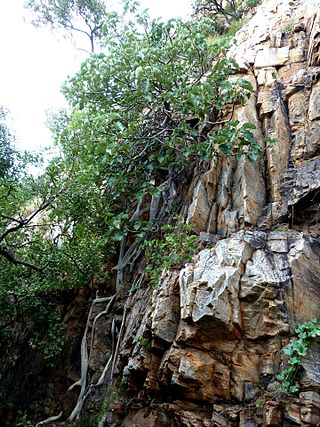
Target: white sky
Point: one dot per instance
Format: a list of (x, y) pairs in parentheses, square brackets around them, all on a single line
[(35, 62)]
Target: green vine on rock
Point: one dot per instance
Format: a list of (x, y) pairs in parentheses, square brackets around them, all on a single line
[(298, 349)]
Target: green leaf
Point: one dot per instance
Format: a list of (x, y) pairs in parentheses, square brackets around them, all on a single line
[(225, 149), (137, 226), (248, 126), (100, 148), (118, 236), (294, 361)]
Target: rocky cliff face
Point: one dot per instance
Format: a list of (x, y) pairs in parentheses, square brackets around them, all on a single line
[(204, 347)]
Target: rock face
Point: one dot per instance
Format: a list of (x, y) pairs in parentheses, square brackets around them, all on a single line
[(222, 343), (205, 347)]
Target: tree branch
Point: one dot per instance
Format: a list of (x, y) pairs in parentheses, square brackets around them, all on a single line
[(25, 221), (5, 252)]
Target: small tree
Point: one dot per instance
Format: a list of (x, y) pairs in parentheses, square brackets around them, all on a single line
[(230, 10), (38, 254), (82, 16)]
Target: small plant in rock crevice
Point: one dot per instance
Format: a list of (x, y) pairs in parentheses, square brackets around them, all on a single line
[(288, 29), (175, 248), (145, 343), (298, 349)]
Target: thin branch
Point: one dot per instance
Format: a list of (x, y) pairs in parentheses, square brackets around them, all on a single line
[(11, 219), (25, 221), (74, 261), (5, 252)]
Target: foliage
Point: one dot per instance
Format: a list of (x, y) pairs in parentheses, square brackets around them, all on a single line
[(82, 16), (50, 344), (110, 396), (287, 29), (225, 13), (142, 111), (145, 343), (297, 350), (175, 248), (7, 153), (38, 255), (83, 422)]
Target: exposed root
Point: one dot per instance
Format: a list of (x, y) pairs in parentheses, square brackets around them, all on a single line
[(136, 256), (113, 357), (137, 282), (103, 420), (159, 207), (85, 362), (48, 420), (105, 370), (104, 312), (116, 352), (77, 383), (125, 258)]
